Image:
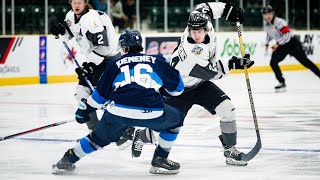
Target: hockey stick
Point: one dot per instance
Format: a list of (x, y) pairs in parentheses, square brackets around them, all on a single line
[(34, 130), (254, 151), (74, 58)]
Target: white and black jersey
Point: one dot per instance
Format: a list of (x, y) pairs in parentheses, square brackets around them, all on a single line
[(278, 30), (197, 62), (94, 33)]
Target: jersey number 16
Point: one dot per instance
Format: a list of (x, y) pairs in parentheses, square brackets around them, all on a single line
[(137, 76)]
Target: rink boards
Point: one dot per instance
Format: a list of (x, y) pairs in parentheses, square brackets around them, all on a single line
[(43, 59)]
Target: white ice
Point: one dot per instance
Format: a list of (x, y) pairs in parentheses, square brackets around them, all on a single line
[(289, 124)]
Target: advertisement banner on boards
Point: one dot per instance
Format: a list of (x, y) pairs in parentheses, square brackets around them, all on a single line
[(254, 44), (161, 45), (59, 61), (19, 56)]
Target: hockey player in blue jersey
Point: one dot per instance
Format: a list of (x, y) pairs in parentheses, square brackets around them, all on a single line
[(130, 90)]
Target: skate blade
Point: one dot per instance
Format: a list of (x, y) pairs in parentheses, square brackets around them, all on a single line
[(281, 90), (158, 170), (58, 171), (233, 162), (125, 145)]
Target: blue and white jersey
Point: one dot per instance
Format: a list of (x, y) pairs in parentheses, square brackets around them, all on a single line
[(134, 85)]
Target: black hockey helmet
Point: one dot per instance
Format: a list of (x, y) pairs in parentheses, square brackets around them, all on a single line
[(267, 9), (130, 38), (198, 21)]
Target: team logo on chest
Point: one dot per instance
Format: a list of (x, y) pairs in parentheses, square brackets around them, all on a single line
[(68, 22), (79, 36), (197, 50)]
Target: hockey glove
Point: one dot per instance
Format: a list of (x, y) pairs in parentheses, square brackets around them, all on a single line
[(233, 14), (58, 28), (239, 63), (86, 70), (82, 115)]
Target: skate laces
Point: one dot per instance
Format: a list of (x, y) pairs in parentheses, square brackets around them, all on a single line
[(233, 151), (169, 161)]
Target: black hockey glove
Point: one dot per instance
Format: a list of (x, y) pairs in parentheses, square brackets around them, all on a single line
[(58, 28), (239, 63), (82, 115), (233, 14), (164, 93), (86, 70)]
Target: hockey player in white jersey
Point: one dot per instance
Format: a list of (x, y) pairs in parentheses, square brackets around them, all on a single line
[(195, 58), (96, 37), (95, 34)]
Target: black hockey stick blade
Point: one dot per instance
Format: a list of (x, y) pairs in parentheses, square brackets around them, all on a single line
[(254, 151)]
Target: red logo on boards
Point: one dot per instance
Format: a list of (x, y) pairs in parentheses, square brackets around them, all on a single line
[(5, 47), (74, 52)]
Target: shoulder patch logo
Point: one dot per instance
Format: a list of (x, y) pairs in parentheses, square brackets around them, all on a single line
[(197, 50), (95, 24)]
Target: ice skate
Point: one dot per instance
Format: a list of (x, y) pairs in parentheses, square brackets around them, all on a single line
[(162, 165), (280, 88), (126, 139), (137, 144), (64, 166), (233, 156)]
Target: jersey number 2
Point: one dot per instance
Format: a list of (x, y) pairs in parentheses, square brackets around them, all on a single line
[(138, 77), (100, 39)]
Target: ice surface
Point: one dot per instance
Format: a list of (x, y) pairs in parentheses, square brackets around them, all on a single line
[(289, 125)]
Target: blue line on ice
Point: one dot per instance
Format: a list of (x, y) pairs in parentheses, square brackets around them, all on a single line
[(184, 145)]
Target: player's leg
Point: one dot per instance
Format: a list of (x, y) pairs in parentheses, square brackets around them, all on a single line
[(217, 102), (300, 55), (102, 135), (126, 139), (160, 163), (277, 56), (182, 102), (140, 137), (83, 92), (228, 137)]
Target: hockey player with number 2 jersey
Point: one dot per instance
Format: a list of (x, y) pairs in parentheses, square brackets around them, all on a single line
[(96, 37), (195, 58), (95, 34)]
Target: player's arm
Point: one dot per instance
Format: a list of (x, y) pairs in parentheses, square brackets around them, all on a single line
[(268, 39), (219, 69), (97, 35), (62, 29), (101, 94), (210, 71), (172, 81), (284, 30), (216, 10)]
